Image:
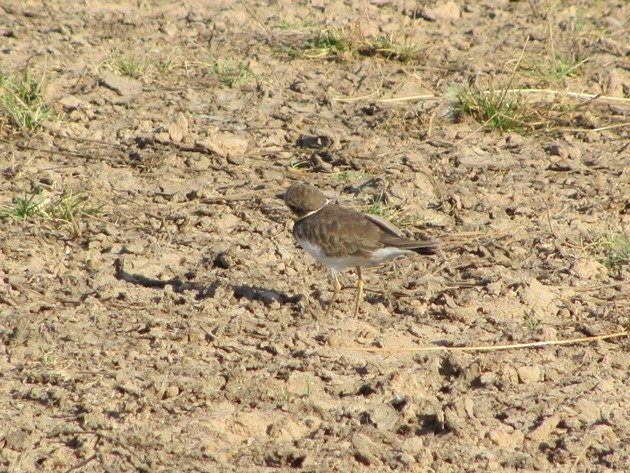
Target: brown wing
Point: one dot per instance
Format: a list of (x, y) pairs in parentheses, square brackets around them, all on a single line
[(339, 232), (390, 236), (346, 232)]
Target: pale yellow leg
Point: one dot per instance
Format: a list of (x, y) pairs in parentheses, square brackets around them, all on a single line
[(359, 292), (334, 296)]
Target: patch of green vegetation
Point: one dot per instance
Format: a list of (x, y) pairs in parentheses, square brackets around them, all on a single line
[(337, 43), (398, 217), (580, 21), (349, 175), (67, 207), (402, 218), (334, 43), (166, 65), (232, 72), (532, 322), (285, 24), (616, 248), (22, 208), (328, 44), (285, 397), (300, 165), (388, 47), (518, 110), (378, 207), (493, 107), (22, 100), (129, 65), (557, 67)]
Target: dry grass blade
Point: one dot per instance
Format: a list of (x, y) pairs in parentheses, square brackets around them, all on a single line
[(511, 346), (577, 95), (548, 92)]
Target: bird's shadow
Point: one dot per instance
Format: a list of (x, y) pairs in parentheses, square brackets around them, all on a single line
[(263, 294)]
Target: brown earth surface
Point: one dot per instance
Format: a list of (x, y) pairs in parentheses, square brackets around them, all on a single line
[(180, 328)]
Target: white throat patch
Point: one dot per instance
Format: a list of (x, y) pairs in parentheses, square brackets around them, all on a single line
[(313, 212)]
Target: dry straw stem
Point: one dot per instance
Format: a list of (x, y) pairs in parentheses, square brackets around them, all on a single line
[(548, 92), (577, 95), (570, 341), (412, 97), (588, 130)]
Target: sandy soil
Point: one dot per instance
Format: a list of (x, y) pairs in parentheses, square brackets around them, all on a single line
[(181, 329)]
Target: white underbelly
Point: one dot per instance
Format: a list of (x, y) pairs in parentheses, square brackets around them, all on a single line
[(341, 263)]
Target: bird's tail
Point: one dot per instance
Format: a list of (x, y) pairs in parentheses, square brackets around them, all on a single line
[(422, 247), (425, 247)]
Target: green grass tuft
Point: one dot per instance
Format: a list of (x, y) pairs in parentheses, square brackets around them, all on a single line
[(390, 48), (556, 68), (338, 44), (331, 43), (67, 207), (493, 107), (22, 100), (285, 24), (231, 72), (397, 216), (129, 65), (616, 248), (378, 207), (22, 208), (328, 44)]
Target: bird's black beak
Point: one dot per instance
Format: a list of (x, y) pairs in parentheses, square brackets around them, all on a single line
[(280, 196)]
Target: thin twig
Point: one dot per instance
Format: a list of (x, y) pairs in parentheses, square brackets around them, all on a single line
[(254, 17), (551, 44), (476, 130), (585, 130), (577, 95), (395, 99), (570, 341), (513, 75), (354, 99), (411, 97), (81, 464), (88, 459), (473, 234), (551, 230), (579, 457), (602, 286), (534, 10)]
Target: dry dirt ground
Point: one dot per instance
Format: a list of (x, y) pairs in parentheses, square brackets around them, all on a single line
[(179, 327)]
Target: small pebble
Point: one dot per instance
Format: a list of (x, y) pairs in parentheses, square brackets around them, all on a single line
[(171, 392)]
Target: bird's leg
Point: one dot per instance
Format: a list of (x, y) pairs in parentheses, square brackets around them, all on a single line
[(334, 296), (359, 292)]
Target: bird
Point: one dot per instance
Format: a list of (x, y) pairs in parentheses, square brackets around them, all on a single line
[(342, 238)]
